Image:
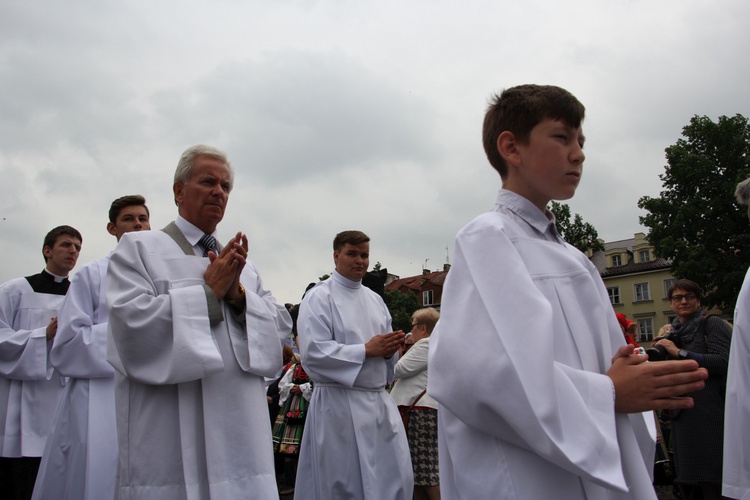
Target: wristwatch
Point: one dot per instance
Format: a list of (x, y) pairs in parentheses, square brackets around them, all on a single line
[(682, 354)]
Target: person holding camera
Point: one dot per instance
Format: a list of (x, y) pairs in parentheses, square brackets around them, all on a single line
[(698, 431)]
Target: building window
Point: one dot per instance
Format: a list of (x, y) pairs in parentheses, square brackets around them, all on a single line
[(614, 295), (646, 329), (644, 256), (427, 298), (642, 292), (668, 284), (616, 260)]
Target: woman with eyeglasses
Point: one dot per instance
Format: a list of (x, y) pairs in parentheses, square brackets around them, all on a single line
[(698, 431), (409, 392)]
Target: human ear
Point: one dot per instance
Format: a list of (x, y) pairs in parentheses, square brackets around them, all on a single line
[(111, 229), (507, 146), (177, 189)]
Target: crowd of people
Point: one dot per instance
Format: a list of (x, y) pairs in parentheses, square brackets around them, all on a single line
[(147, 375)]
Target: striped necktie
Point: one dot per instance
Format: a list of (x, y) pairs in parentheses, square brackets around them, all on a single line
[(207, 242)]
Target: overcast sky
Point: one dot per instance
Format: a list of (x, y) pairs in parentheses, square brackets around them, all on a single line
[(338, 114)]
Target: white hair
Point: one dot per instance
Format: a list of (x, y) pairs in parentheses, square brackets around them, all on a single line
[(184, 170), (742, 193)]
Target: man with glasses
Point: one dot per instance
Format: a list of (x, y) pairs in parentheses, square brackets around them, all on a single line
[(699, 431)]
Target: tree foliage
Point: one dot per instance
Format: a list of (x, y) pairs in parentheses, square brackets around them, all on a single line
[(581, 235), (401, 306), (695, 221)]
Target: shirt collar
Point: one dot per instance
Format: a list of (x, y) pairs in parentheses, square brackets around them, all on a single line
[(53, 277), (544, 222), (339, 278), (190, 231)]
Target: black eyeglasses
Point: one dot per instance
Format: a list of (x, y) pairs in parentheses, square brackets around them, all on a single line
[(687, 296), (414, 324)]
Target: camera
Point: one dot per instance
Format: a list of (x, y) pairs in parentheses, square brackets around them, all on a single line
[(659, 352)]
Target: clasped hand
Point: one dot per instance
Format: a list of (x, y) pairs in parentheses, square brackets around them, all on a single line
[(223, 271), (384, 345), (642, 386)]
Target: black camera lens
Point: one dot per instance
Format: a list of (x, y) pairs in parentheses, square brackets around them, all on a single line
[(657, 353)]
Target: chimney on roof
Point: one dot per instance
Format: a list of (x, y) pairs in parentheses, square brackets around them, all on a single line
[(446, 267), (425, 271)]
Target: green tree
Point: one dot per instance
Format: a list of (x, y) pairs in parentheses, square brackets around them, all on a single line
[(401, 306), (581, 235), (695, 221)]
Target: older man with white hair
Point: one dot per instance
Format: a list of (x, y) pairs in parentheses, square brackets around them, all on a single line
[(192, 335)]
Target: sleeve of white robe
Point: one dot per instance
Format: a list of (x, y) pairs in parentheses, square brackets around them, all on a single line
[(80, 346), (326, 359), (23, 352), (736, 478), (496, 326), (159, 338), (266, 325)]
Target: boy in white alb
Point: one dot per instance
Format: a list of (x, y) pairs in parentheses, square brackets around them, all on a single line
[(80, 457), (546, 404)]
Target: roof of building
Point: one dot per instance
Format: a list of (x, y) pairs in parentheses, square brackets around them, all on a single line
[(417, 282), (599, 259)]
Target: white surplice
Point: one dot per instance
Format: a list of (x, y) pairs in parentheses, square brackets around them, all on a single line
[(517, 363), (736, 478), (29, 387), (80, 458), (192, 418), (354, 445)]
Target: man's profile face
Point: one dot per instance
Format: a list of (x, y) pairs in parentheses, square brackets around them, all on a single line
[(130, 218), (63, 255), (203, 199), (352, 260)]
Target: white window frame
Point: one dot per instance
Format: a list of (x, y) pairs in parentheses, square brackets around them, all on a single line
[(646, 329), (614, 295), (427, 298), (616, 260), (642, 253), (638, 292), (667, 284)]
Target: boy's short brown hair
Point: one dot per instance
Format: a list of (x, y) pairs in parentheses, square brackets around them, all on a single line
[(520, 109), (351, 237), (126, 201)]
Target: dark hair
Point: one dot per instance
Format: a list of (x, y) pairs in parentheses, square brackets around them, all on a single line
[(688, 286), (126, 201), (51, 238), (350, 237), (520, 109)]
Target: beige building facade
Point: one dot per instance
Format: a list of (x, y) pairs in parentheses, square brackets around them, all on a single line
[(637, 282)]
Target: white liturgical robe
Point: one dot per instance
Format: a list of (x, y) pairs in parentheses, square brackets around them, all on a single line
[(517, 364), (80, 458), (736, 480), (29, 386), (354, 445), (192, 418)]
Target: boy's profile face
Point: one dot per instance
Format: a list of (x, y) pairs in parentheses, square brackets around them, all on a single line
[(549, 167)]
